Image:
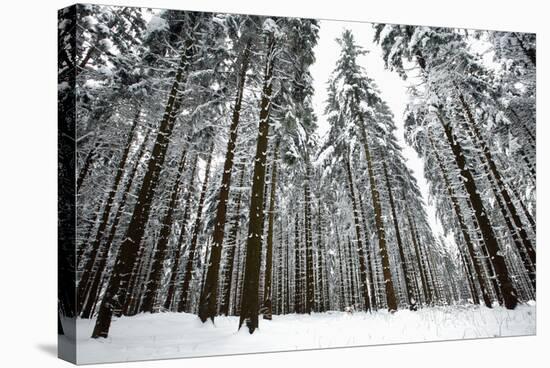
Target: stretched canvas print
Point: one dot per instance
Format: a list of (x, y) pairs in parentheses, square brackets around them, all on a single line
[(234, 183)]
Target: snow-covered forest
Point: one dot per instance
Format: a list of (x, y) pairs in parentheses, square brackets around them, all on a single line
[(210, 189)]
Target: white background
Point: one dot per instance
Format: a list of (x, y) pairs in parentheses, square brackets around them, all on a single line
[(28, 180)]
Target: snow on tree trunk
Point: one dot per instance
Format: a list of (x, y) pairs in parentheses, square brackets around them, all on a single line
[(249, 302), (126, 254)]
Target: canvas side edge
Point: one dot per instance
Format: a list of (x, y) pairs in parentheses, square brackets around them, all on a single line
[(66, 143)]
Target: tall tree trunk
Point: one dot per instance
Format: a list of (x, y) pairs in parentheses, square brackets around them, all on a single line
[(478, 138), (205, 266), (264, 236), (180, 244), (508, 291), (420, 261), (104, 221), (320, 260), (249, 302), (92, 222), (188, 270), (368, 251), (469, 276), (430, 274), (388, 282), (406, 271), (351, 271), (491, 274), (280, 277), (232, 240), (463, 226), (310, 280), (208, 304), (241, 253), (375, 195), (126, 255), (341, 262), (297, 268), (287, 268), (359, 247), (131, 302), (159, 251), (94, 287), (269, 251)]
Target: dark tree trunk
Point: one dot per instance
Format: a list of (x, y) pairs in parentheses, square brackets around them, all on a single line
[(491, 274), (368, 251), (310, 280), (360, 250), (188, 270), (529, 259), (297, 268), (341, 262), (180, 244), (287, 271), (514, 234), (84, 245), (159, 251), (125, 259), (508, 291), (241, 252), (269, 251), (232, 241), (463, 227), (281, 295), (320, 261), (430, 278), (351, 272), (208, 304), (104, 221), (421, 265), (406, 271), (205, 266), (249, 301), (264, 232), (388, 282), (469, 276), (380, 231), (131, 302), (94, 287)]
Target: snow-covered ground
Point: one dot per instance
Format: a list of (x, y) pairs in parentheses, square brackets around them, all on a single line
[(172, 335)]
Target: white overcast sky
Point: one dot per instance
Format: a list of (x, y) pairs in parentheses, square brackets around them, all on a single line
[(392, 89)]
